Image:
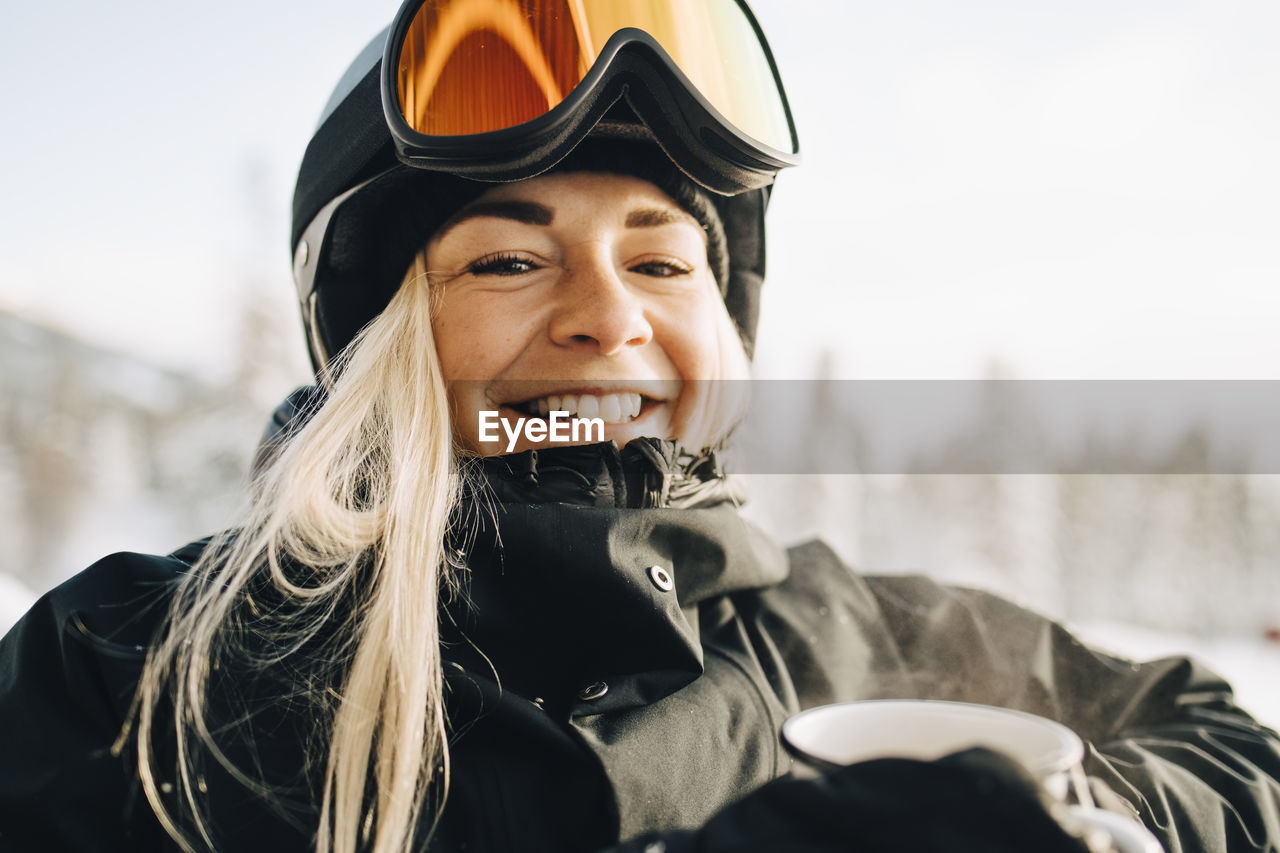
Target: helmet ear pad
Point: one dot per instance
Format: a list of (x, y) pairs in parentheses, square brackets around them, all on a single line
[(743, 219), (372, 239), (373, 236)]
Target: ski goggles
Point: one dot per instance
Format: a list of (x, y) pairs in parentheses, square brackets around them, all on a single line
[(500, 89)]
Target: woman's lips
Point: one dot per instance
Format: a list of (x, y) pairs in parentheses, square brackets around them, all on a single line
[(618, 416), (614, 402), (612, 408), (533, 413)]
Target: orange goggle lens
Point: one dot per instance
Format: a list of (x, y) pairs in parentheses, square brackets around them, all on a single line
[(475, 66)]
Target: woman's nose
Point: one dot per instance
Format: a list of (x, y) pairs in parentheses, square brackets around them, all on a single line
[(595, 308)]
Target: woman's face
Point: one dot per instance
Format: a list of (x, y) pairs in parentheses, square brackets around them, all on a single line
[(580, 292)]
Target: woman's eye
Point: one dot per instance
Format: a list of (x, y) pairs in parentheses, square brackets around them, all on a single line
[(662, 268), (501, 264)]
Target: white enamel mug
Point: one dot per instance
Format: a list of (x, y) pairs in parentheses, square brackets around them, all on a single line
[(832, 736)]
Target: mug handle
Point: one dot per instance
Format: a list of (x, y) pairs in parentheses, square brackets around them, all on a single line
[(1079, 787), (1108, 832)]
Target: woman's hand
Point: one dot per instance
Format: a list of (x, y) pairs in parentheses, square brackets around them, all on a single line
[(975, 801)]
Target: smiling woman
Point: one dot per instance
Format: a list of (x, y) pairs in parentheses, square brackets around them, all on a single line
[(412, 641)]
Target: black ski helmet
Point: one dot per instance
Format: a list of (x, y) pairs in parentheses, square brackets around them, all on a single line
[(360, 213)]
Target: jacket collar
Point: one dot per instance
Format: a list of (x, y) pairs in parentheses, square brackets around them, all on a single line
[(567, 558), (647, 473)]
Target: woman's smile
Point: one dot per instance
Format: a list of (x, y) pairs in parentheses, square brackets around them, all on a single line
[(612, 408)]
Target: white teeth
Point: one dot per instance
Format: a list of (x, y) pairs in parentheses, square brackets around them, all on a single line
[(610, 408), (588, 406)]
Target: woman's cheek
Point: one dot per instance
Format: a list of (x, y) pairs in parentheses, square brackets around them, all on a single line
[(694, 349), (470, 333), (723, 393)]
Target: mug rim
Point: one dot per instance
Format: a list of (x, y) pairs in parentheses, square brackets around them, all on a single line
[(1071, 756)]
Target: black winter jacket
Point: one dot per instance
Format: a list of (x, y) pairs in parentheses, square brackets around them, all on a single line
[(619, 670)]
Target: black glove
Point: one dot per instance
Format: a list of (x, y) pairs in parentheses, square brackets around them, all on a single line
[(976, 801)]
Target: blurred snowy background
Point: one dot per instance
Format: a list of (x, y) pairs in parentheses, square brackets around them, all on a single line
[(1071, 189)]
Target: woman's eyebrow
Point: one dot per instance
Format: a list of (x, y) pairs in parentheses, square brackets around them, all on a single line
[(652, 217), (527, 212)]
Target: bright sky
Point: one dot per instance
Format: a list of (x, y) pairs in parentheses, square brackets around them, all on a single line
[(1080, 188)]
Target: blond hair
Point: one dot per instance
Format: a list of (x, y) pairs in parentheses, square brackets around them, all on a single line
[(343, 550)]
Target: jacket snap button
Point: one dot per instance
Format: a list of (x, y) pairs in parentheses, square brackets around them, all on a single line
[(661, 578), (593, 691)]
